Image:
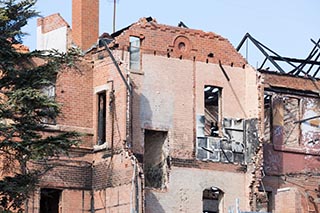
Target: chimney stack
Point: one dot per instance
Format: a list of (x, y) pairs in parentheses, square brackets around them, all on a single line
[(85, 22)]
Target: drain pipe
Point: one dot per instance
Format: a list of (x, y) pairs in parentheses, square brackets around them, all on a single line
[(112, 110), (132, 193), (116, 65)]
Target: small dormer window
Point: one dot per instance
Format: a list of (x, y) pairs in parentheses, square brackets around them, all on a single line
[(134, 53)]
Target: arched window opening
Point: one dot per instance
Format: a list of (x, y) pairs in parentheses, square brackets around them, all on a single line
[(211, 198)]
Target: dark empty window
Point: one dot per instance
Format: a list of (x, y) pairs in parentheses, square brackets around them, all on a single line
[(211, 110), (50, 200), (211, 198), (101, 118), (134, 53)]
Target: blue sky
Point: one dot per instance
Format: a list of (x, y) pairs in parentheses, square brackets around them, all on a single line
[(285, 26)]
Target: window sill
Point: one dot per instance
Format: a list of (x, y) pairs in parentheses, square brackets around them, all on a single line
[(97, 148), (159, 190), (137, 72), (62, 128)]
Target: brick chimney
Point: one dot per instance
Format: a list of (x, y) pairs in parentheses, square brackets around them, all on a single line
[(85, 22)]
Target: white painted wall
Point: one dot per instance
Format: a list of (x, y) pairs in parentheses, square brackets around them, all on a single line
[(55, 39)]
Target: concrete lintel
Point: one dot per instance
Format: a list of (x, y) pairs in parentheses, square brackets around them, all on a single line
[(284, 189), (100, 88)]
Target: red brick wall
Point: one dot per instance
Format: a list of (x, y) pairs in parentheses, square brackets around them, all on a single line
[(68, 174), (164, 40), (76, 201), (293, 193), (291, 82), (112, 171), (75, 94), (85, 22), (71, 201), (169, 87), (52, 22), (167, 82), (106, 75), (280, 156), (295, 167), (288, 200), (107, 179), (112, 182)]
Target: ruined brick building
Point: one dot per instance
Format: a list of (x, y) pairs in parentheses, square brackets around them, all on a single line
[(175, 120), (290, 129)]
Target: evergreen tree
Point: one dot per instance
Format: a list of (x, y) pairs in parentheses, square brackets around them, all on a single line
[(24, 106)]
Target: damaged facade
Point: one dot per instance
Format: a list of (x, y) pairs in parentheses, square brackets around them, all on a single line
[(175, 120), (291, 149), (290, 130)]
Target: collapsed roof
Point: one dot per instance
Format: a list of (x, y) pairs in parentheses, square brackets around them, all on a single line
[(308, 67)]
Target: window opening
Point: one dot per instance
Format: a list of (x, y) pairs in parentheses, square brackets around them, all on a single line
[(134, 53), (211, 198), (212, 110), (267, 117), (50, 91), (285, 113), (291, 114), (155, 158), (50, 200), (49, 117), (208, 148), (101, 118)]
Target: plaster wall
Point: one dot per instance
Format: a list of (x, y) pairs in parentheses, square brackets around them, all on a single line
[(163, 100), (55, 39), (184, 192), (169, 99), (239, 93)]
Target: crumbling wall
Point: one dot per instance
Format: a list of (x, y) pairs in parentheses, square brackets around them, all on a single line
[(294, 134), (180, 43), (291, 154), (299, 190), (155, 159), (294, 121), (310, 131), (53, 32), (168, 96)]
